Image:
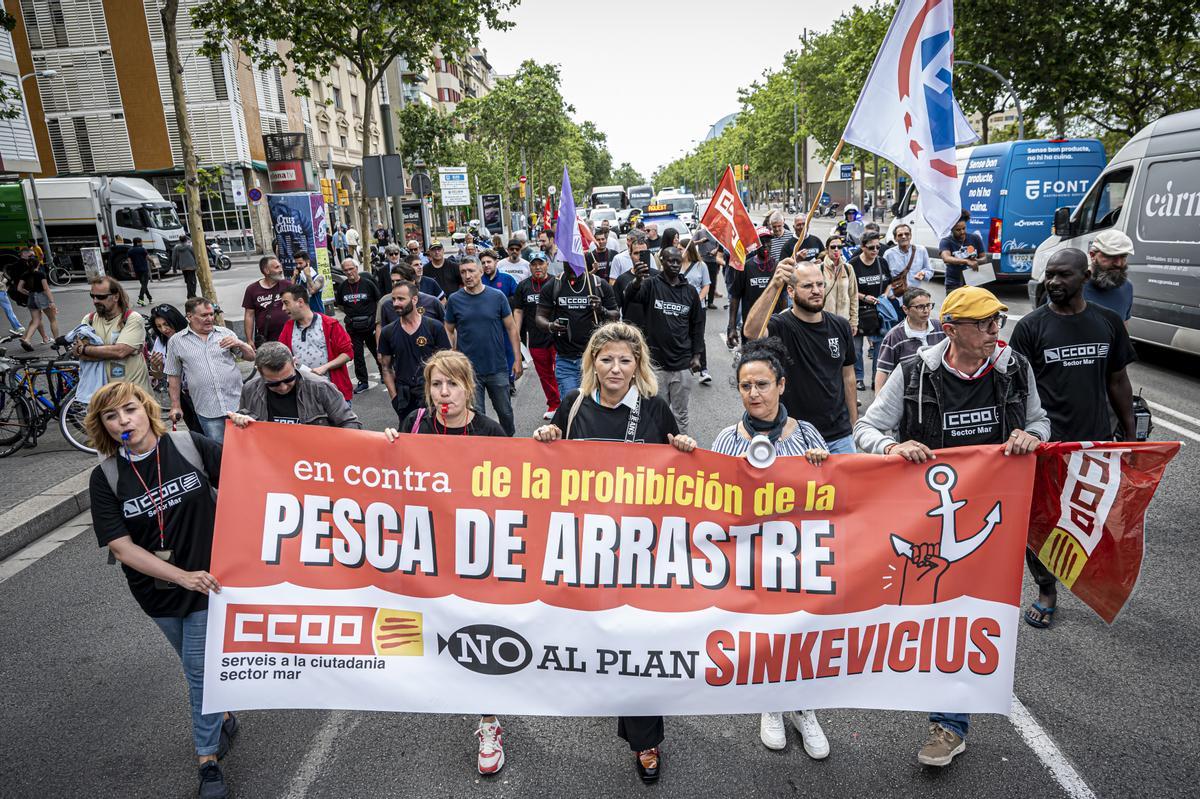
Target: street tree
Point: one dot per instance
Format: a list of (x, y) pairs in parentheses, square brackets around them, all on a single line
[(368, 34)]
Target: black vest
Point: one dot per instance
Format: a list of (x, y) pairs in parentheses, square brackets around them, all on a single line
[(924, 391)]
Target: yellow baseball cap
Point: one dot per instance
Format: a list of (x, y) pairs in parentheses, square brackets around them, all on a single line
[(971, 302)]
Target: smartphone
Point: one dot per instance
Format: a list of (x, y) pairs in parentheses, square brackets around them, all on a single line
[(644, 257)]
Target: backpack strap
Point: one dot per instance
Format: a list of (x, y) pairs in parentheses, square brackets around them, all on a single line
[(416, 428), (183, 442), (108, 467)]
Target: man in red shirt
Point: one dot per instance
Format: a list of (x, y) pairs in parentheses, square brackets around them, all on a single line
[(317, 341)]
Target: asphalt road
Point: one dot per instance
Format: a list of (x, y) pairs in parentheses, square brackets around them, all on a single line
[(97, 705)]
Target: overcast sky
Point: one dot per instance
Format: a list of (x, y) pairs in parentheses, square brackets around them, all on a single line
[(696, 53)]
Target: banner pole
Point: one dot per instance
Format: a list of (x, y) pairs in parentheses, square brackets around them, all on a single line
[(837, 151)]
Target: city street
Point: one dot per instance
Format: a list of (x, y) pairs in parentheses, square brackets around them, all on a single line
[(97, 704)]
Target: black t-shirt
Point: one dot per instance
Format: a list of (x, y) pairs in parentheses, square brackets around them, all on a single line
[(654, 244), (971, 412), (810, 248), (594, 422), (872, 281), (970, 247), (189, 514), (479, 425), (526, 299), (409, 352), (282, 407), (817, 353), (631, 312), (31, 281), (599, 261), (446, 275), (749, 283), (1072, 358), (674, 321), (566, 297), (426, 306), (358, 301), (139, 258)]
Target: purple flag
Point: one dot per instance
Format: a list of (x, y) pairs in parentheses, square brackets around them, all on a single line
[(566, 235)]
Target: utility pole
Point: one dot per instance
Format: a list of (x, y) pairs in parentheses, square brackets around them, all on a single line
[(528, 183), (389, 148), (795, 145)]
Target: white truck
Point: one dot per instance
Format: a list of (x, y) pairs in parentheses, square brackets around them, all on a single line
[(93, 211)]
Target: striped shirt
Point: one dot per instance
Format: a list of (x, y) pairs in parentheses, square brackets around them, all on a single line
[(805, 437), (213, 378)]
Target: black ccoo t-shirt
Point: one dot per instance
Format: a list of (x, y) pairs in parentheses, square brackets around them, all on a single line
[(817, 353)]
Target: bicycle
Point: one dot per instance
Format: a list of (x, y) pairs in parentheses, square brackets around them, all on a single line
[(41, 406), (58, 274)]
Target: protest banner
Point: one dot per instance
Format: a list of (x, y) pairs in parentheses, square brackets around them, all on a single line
[(441, 574), (1088, 516)]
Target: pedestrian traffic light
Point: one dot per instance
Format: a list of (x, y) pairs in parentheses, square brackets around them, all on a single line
[(344, 197), (746, 171), (737, 171), (327, 189)]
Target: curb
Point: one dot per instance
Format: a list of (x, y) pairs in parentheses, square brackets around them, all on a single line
[(33, 518)]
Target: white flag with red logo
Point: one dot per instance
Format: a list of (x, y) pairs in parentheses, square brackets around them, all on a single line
[(585, 234), (729, 223), (907, 113)]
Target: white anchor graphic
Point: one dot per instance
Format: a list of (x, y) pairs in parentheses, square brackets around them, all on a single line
[(941, 478)]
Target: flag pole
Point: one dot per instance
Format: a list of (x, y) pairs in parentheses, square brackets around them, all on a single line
[(837, 151)]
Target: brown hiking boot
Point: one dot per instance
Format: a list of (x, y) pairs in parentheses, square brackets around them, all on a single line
[(941, 747)]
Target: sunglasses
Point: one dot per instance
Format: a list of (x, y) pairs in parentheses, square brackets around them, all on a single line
[(282, 381), (100, 296), (872, 248)]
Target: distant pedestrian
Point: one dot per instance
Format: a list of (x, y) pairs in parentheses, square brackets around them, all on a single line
[(747, 285), (139, 259), (339, 243), (872, 276), (262, 301), (514, 265), (442, 269), (357, 296), (1108, 283), (309, 279), (540, 342), (183, 260), (353, 242), (205, 354), (34, 286), (959, 251), (166, 321), (317, 341)]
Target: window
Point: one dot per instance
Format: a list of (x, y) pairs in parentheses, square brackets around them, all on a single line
[(354, 104), (343, 140), (337, 98), (128, 217), (1102, 205)]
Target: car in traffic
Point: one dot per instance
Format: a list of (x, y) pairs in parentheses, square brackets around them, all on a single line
[(666, 220), (603, 214), (681, 203)]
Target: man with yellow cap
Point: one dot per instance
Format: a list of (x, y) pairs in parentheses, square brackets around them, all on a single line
[(914, 414)]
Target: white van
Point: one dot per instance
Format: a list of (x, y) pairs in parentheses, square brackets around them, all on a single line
[(1151, 192)]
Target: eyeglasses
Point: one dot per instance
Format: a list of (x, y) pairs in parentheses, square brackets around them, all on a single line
[(100, 296), (985, 325), (925, 306), (763, 386), (873, 248), (283, 381)]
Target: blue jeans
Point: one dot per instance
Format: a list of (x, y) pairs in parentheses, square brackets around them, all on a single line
[(496, 386), (842, 446), (957, 723), (212, 427), (567, 371), (186, 635), (876, 342), (13, 321)]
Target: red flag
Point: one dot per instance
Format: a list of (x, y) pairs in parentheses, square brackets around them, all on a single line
[(547, 214), (1087, 520), (729, 223), (585, 234)]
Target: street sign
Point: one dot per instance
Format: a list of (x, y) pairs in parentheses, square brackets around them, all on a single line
[(455, 189), (422, 186), (523, 180), (383, 175), (238, 188), (847, 171), (255, 194), (550, 188)]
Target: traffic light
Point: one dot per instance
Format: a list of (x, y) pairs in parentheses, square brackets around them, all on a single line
[(737, 171), (746, 171), (343, 197), (327, 190)]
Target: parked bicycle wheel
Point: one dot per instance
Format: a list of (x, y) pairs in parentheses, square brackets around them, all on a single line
[(70, 422), (15, 420), (59, 275)]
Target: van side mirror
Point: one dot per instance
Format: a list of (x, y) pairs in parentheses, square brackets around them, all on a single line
[(1062, 222)]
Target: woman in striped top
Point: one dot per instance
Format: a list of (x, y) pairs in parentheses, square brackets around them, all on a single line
[(760, 382)]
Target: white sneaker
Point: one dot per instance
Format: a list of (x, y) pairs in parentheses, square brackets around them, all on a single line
[(815, 742), (771, 731), (705, 377), (491, 747)]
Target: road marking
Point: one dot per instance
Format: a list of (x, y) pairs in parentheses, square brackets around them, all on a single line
[(1172, 412), (1183, 431), (1048, 752), (336, 729), (32, 553)]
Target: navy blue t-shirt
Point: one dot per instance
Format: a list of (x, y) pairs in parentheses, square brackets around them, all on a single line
[(1118, 300), (479, 324), (970, 247)]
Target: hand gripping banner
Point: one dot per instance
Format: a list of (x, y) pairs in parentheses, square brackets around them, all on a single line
[(1087, 523), (458, 575)]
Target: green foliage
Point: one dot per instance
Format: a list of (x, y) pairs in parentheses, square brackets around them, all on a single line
[(624, 175), (208, 180)]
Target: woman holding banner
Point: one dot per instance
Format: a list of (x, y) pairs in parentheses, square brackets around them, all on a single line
[(760, 383), (450, 391), (164, 548), (617, 401)]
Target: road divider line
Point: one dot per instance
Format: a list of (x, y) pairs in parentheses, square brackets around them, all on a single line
[(1048, 752), (336, 729), (1183, 431), (1158, 406)]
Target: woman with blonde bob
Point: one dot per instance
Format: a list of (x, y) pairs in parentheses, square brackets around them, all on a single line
[(450, 392), (164, 549), (617, 401)]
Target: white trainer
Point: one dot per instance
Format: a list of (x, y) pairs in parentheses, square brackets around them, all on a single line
[(815, 742), (772, 732), (491, 747)]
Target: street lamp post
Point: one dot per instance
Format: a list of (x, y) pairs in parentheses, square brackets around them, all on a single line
[(1007, 84), (37, 203)]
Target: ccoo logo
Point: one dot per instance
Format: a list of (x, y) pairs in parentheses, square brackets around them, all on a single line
[(487, 649)]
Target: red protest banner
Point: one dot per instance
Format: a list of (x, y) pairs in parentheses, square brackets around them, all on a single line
[(729, 222), (1088, 515), (597, 577)]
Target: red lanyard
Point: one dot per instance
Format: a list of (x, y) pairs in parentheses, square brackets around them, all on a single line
[(466, 431), (158, 510)]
